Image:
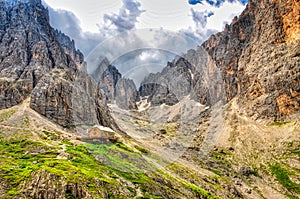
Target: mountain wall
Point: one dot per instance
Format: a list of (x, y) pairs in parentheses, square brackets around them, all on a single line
[(259, 56), (40, 63), (116, 89), (256, 59)]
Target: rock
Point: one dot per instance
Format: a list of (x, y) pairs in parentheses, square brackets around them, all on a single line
[(193, 74), (28, 49), (169, 86), (38, 62), (97, 74), (108, 82), (46, 185), (253, 59), (260, 59), (246, 171), (69, 48), (70, 97), (126, 94), (120, 90)]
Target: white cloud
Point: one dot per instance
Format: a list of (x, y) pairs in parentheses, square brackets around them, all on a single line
[(126, 18), (89, 12), (224, 13), (123, 35)]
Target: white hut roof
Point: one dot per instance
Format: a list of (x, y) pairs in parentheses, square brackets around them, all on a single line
[(103, 128)]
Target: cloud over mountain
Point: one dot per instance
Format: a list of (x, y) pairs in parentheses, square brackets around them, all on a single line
[(136, 52), (199, 32), (126, 18)]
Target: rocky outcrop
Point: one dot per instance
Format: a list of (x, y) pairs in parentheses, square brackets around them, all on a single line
[(254, 59), (70, 98), (192, 74), (107, 76), (126, 94), (43, 184), (69, 48), (260, 59), (42, 64), (108, 82), (116, 89), (28, 49), (97, 74), (170, 85)]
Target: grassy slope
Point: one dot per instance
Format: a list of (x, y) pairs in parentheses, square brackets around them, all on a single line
[(31, 148)]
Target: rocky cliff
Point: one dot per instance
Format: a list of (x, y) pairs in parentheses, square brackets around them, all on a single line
[(107, 76), (126, 94), (256, 58), (115, 87), (28, 48), (259, 56), (194, 74), (70, 97), (69, 48), (38, 62)]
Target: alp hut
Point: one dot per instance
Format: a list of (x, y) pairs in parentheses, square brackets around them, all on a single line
[(101, 134)]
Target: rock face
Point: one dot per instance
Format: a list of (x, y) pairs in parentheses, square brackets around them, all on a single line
[(126, 94), (115, 88), (28, 48), (191, 74), (169, 86), (260, 59), (37, 62), (69, 48), (253, 59), (44, 185), (108, 82), (107, 76), (70, 97)]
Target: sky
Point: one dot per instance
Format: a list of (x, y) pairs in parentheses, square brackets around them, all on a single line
[(170, 14), (119, 25)]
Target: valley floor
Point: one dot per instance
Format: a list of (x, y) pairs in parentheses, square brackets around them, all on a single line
[(195, 153)]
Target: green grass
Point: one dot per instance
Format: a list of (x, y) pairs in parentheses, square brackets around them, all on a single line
[(141, 149), (292, 196), (119, 156), (132, 191), (21, 159), (201, 192), (123, 146), (26, 121), (17, 161), (282, 176), (279, 123)]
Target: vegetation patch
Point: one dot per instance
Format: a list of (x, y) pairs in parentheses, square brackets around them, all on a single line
[(5, 115), (201, 192), (282, 176), (26, 121), (171, 127), (141, 122), (141, 149), (279, 123)]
